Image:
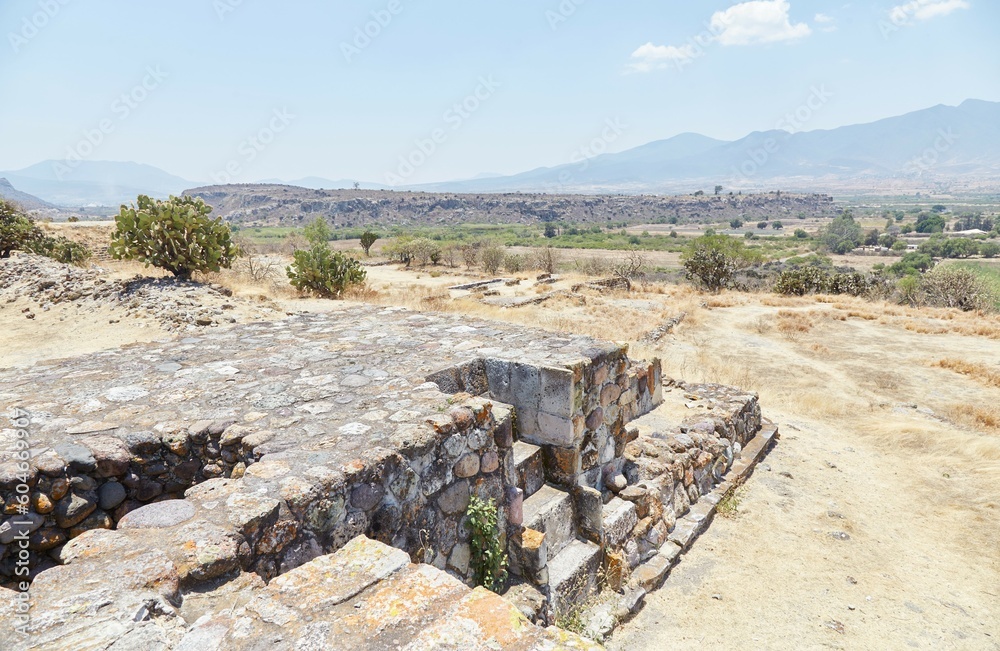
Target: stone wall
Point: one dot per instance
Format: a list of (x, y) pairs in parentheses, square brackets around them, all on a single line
[(577, 412), (413, 498)]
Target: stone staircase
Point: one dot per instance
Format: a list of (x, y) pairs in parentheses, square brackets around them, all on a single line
[(594, 553)]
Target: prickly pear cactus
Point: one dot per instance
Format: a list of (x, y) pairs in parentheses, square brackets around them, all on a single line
[(176, 235)]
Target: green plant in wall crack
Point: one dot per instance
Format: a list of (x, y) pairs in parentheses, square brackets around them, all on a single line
[(489, 560)]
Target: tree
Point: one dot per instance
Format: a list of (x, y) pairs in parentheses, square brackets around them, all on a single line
[(699, 193), (714, 260), (367, 240), (777, 226), (357, 186), (841, 235), (176, 235), (930, 223), (317, 231), (871, 237), (551, 230), (989, 249), (960, 247), (718, 189), (323, 272), (735, 223)]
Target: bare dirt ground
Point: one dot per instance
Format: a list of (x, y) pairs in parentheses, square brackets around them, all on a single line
[(874, 522)]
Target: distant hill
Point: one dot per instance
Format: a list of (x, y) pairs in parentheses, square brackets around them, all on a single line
[(319, 183), (95, 182), (23, 199), (284, 205), (958, 144)]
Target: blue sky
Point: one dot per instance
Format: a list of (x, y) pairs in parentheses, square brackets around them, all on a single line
[(244, 90)]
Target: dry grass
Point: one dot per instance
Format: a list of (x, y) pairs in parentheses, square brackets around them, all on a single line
[(794, 323), (979, 372)]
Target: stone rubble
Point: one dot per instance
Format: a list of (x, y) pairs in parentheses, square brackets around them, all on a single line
[(175, 305)]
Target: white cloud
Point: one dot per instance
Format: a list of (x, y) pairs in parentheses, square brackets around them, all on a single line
[(924, 9), (825, 23), (651, 57), (756, 22)]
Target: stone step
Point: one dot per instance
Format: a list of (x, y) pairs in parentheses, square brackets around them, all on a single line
[(550, 511), (619, 518), (573, 575), (530, 468)]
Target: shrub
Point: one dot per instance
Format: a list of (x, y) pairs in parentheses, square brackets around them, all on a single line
[(912, 263), (176, 235), (323, 272), (318, 231), (491, 255), (802, 281), (488, 558), (424, 250), (513, 263), (957, 287), (62, 250), (714, 260), (630, 267), (17, 230), (546, 260), (801, 234), (899, 246)]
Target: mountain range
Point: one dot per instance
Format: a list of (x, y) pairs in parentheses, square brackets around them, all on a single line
[(942, 148)]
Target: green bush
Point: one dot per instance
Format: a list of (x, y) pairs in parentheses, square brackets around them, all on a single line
[(714, 260), (317, 231), (62, 250), (323, 272), (19, 232), (176, 235), (989, 249), (488, 558), (491, 256)]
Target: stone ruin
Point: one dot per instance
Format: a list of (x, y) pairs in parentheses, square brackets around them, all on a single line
[(304, 484)]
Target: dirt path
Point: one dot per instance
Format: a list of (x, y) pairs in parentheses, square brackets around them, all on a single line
[(872, 524)]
